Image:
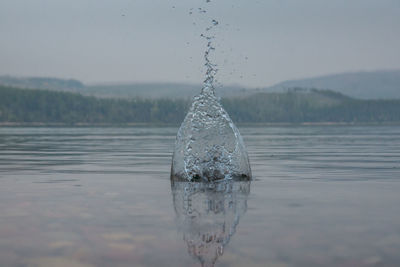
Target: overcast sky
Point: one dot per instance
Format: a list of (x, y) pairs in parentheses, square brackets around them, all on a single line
[(259, 43)]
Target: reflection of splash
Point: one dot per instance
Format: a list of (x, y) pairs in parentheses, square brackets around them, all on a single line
[(207, 214)]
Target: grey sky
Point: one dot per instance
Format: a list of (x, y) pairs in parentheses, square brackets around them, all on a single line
[(259, 43)]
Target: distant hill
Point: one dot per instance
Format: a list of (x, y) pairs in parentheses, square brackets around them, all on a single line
[(42, 83), (30, 106), (363, 85), (117, 90)]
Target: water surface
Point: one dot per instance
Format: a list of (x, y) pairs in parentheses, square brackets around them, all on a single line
[(321, 196)]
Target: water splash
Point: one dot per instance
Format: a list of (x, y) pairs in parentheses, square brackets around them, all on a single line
[(211, 68), (208, 145)]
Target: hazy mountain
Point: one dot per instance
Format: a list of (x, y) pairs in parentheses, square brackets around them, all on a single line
[(363, 85), (116, 90), (42, 83)]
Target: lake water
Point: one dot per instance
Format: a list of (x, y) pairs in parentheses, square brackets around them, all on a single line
[(321, 196)]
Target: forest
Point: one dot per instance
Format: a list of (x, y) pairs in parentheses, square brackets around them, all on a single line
[(30, 106)]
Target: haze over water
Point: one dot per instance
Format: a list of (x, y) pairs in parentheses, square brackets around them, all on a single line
[(321, 195)]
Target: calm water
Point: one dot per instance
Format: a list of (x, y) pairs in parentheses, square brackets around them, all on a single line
[(322, 196)]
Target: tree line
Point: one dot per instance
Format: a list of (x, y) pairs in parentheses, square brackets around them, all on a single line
[(294, 106)]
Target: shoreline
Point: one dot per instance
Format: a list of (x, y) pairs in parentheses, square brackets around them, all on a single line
[(150, 124)]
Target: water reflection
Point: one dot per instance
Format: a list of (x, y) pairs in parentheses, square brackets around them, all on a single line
[(207, 214)]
